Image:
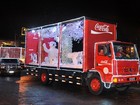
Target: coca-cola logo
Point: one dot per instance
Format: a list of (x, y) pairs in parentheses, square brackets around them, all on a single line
[(104, 27), (99, 29)]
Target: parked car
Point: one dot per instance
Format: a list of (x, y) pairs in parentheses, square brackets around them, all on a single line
[(10, 67)]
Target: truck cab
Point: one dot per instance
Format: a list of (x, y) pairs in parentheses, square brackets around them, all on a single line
[(118, 64)]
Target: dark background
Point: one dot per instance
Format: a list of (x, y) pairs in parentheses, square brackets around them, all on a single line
[(18, 14)]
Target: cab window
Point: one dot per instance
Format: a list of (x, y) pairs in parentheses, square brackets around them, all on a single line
[(104, 50)]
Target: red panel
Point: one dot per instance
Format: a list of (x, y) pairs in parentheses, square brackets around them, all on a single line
[(32, 41), (96, 31)]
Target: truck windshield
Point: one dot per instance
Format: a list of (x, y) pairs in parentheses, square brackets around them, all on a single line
[(125, 51)]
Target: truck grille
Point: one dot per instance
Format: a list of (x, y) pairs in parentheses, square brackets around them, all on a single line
[(127, 68)]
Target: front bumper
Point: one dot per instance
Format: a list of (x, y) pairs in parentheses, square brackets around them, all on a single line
[(126, 79), (10, 70)]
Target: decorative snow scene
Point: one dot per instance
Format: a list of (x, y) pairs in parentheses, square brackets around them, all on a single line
[(57, 45), (49, 44), (62, 44), (10, 52), (72, 44)]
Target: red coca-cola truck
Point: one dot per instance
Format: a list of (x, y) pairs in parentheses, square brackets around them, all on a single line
[(81, 51)]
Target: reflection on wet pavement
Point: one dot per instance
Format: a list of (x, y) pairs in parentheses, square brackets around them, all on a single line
[(26, 90)]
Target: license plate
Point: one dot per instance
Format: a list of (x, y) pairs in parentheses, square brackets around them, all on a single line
[(11, 72), (131, 79)]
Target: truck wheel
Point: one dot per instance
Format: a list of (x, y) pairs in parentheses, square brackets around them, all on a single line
[(45, 78), (95, 85)]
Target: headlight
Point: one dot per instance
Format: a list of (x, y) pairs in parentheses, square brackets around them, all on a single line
[(2, 66), (19, 66)]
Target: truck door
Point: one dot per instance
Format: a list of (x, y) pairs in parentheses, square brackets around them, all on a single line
[(103, 58)]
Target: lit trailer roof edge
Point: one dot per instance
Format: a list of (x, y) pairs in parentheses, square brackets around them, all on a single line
[(40, 27)]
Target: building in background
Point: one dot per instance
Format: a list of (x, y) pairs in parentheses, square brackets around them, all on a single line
[(21, 38), (7, 43)]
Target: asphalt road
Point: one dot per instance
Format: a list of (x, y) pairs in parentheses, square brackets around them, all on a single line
[(27, 90)]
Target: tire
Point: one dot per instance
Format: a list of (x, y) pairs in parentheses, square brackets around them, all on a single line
[(44, 77), (95, 85)]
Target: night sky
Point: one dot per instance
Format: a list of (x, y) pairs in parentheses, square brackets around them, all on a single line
[(15, 15)]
